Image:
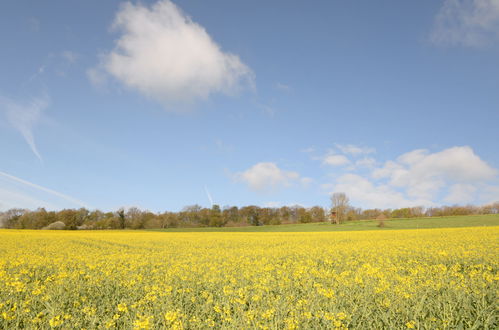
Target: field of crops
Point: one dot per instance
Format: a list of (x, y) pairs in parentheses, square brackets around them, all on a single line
[(433, 278)]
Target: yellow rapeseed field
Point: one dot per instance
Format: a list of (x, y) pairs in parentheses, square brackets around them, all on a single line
[(421, 279)]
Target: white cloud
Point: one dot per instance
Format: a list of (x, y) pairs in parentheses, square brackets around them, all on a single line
[(18, 193), (471, 23), (454, 175), (364, 192), (167, 57), (354, 150), (368, 162), (24, 117), (461, 194), (424, 175), (336, 160), (490, 194), (266, 176), (457, 164)]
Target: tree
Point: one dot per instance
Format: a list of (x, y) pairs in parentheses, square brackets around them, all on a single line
[(216, 219), (135, 218), (72, 218), (303, 215), (317, 213), (231, 214), (121, 217), (339, 207), (251, 214)]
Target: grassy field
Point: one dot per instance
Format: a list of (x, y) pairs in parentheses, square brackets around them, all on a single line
[(413, 223), (442, 278)]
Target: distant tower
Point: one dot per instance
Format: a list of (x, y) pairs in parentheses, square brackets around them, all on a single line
[(333, 216)]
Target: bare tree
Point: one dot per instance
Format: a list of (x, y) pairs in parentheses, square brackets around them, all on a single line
[(339, 207)]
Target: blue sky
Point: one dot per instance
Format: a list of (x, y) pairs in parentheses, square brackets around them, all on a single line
[(159, 104)]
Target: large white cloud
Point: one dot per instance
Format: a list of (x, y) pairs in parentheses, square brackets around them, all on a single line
[(371, 195), (453, 176), (471, 23), (461, 193), (267, 175), (167, 57), (423, 173)]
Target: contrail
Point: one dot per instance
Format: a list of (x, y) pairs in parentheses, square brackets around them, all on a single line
[(24, 117), (47, 190), (209, 195)]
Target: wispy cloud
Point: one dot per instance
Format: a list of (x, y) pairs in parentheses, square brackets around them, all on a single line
[(355, 150), (24, 117), (470, 23), (29, 194), (167, 57)]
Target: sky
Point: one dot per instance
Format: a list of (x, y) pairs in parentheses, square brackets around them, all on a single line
[(161, 104)]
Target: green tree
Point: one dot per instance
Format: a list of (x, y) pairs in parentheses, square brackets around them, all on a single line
[(216, 219), (121, 218)]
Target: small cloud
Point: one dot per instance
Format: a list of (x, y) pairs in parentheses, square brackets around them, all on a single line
[(166, 56), (354, 150), (267, 176), (336, 160), (469, 23)]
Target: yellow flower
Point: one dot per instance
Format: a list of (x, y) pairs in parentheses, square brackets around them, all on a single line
[(171, 316), (143, 322), (411, 324), (122, 308), (56, 321)]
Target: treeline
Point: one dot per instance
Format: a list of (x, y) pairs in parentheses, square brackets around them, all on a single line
[(197, 216)]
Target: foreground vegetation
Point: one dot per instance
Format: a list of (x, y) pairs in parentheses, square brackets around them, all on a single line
[(438, 278)]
